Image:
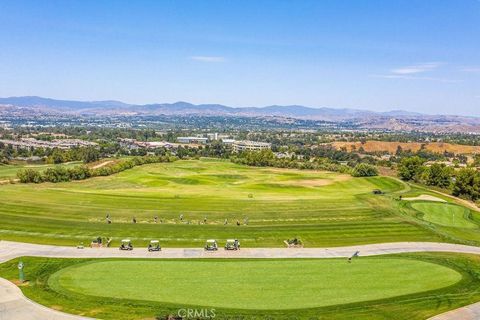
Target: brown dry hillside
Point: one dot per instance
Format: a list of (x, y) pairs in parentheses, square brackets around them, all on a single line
[(391, 147)]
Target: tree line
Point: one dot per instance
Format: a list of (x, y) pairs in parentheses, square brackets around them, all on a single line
[(81, 172), (463, 183), (52, 155), (266, 158)]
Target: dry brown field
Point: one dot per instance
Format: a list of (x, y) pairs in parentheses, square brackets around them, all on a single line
[(391, 147)]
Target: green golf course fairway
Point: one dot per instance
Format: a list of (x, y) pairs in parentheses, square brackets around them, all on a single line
[(445, 214), (254, 284), (322, 208)]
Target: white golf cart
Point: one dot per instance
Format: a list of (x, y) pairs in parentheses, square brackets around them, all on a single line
[(126, 245), (154, 245), (232, 244), (211, 245)]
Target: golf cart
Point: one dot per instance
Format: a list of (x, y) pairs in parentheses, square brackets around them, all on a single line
[(126, 245), (232, 244), (154, 245), (211, 245)]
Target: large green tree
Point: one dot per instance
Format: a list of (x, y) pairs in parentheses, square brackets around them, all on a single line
[(90, 154), (467, 184), (410, 168), (439, 175)]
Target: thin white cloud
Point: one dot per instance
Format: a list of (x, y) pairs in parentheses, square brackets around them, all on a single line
[(471, 69), (409, 77), (419, 68), (208, 58), (415, 72)]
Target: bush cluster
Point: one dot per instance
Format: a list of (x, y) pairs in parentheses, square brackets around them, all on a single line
[(266, 158), (364, 170), (62, 174)]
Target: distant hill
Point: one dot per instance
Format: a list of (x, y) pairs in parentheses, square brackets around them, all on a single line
[(394, 120), (185, 108), (33, 101)]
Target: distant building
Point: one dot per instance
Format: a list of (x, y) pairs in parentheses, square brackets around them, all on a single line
[(133, 144), (212, 136), (246, 145), (196, 140), (5, 125), (228, 141), (60, 144), (447, 164), (287, 155)]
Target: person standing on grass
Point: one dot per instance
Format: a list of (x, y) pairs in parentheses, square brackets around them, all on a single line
[(134, 220), (181, 217), (225, 222), (205, 220), (155, 219)]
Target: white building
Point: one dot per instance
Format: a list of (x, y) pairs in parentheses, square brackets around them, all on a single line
[(228, 141), (197, 140), (212, 136), (246, 145), (57, 143)]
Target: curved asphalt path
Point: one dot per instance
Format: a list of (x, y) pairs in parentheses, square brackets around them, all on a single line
[(14, 305)]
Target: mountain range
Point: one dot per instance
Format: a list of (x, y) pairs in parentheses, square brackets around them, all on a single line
[(185, 108), (395, 120)]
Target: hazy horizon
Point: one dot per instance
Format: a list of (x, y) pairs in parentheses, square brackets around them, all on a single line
[(237, 107)]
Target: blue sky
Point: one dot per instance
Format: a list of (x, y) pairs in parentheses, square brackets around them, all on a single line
[(379, 55)]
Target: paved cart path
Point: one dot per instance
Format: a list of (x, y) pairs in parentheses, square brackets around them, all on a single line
[(13, 305)]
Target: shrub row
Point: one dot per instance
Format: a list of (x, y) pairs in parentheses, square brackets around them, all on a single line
[(266, 158), (62, 174)]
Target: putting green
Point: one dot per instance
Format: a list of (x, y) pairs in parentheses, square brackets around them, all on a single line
[(254, 284), (445, 214)]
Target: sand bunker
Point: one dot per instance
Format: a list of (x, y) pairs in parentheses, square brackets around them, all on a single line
[(425, 197)]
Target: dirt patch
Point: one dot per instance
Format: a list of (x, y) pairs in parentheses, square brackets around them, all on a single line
[(425, 197), (103, 164), (386, 171), (283, 170), (56, 307), (9, 181), (308, 182), (19, 283), (316, 182)]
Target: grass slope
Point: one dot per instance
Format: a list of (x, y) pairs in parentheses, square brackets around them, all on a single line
[(438, 218), (322, 208), (445, 214)]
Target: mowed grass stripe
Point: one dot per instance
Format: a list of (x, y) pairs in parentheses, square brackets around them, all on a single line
[(340, 210)]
